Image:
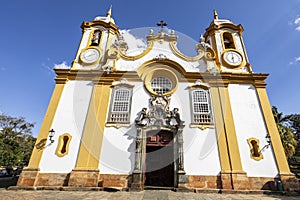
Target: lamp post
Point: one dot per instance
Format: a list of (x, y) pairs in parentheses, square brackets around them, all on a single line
[(51, 135), (268, 139)]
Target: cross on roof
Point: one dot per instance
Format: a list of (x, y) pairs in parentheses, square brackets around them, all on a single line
[(161, 24)]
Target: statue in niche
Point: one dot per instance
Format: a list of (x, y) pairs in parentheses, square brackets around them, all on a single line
[(96, 38)]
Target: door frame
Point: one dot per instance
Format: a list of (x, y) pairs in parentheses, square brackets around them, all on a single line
[(138, 175)]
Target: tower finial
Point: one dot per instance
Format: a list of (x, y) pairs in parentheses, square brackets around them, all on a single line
[(216, 16), (109, 12)]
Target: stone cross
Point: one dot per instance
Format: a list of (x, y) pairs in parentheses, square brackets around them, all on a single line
[(161, 24)]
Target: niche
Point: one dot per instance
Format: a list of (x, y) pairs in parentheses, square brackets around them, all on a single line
[(96, 38), (63, 145), (255, 152), (228, 41)]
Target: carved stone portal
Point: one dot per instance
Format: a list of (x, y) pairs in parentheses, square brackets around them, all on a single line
[(159, 114), (157, 119)]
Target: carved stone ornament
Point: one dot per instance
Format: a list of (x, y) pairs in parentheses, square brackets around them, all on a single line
[(159, 114)]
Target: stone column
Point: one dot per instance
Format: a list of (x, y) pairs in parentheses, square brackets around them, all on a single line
[(137, 175), (180, 151), (182, 178)]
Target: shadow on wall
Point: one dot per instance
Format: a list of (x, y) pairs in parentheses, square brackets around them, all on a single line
[(270, 185), (6, 182), (131, 135)]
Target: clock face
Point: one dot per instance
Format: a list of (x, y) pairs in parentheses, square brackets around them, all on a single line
[(90, 55), (233, 58)]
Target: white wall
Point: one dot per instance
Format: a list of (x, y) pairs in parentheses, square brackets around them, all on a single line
[(249, 122), (118, 147), (69, 118), (200, 147)]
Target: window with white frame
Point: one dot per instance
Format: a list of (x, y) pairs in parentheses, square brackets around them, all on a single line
[(201, 111), (120, 106)]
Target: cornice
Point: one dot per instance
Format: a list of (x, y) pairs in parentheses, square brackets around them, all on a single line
[(214, 27), (108, 25), (220, 80), (97, 76)]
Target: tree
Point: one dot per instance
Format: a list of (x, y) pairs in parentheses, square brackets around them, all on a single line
[(16, 140), (294, 124), (287, 135)]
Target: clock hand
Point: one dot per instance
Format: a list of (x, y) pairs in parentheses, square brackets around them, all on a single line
[(232, 57)]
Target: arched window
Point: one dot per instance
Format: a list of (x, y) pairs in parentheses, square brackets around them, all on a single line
[(96, 38), (201, 109), (228, 41), (120, 105)]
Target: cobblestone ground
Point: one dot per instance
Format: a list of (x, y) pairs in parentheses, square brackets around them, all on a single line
[(147, 195)]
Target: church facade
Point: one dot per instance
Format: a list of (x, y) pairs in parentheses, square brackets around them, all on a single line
[(134, 114)]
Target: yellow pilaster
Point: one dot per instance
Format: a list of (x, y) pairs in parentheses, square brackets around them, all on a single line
[(91, 142), (220, 129), (235, 159), (278, 150), (227, 140), (46, 125)]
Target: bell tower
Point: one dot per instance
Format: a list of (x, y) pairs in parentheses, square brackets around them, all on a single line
[(97, 36), (225, 37)]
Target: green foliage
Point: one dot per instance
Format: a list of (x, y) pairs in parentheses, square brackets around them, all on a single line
[(286, 131), (16, 140), (294, 124)]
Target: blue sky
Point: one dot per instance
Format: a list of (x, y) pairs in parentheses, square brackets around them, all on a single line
[(38, 34)]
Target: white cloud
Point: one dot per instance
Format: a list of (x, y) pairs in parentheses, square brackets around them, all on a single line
[(62, 65), (297, 23), (135, 45), (295, 61)]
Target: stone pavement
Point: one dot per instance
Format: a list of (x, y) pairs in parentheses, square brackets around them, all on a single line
[(147, 195)]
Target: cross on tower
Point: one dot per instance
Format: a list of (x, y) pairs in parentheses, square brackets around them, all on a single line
[(161, 24)]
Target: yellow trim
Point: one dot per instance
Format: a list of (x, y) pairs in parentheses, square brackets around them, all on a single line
[(222, 79), (245, 54), (159, 71), (260, 156), (62, 145), (78, 48), (46, 125), (222, 39), (91, 37), (232, 142), (110, 26), (278, 150), (163, 64), (215, 47), (201, 126), (89, 153), (149, 48), (220, 131), (227, 141), (184, 57)]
